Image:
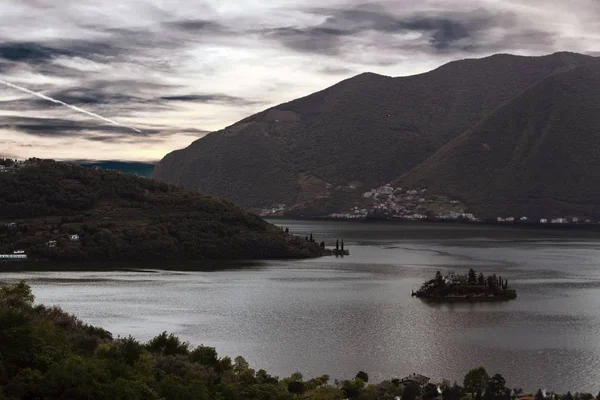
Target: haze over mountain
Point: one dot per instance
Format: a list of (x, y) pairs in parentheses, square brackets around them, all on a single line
[(538, 155), (127, 167), (315, 152)]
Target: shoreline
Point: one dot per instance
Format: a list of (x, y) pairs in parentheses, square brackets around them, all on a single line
[(518, 225)]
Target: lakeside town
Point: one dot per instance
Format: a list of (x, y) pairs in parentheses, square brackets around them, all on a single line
[(410, 204)]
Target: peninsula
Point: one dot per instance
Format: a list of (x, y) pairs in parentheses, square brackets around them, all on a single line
[(59, 211), (471, 287)]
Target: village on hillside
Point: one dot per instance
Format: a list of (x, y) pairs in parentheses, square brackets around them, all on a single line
[(410, 204)]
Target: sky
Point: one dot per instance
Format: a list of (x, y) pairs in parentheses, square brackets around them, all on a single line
[(170, 71)]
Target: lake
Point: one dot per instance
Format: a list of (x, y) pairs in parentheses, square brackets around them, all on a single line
[(341, 315)]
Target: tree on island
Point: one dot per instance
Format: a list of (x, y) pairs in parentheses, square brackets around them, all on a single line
[(481, 280), (539, 395), (492, 282), (337, 245), (568, 396), (472, 277)]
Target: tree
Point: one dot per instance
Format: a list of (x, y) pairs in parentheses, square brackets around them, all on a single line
[(410, 392), (539, 395), (296, 387), (472, 277), (568, 396), (167, 345), (481, 280), (438, 276), (352, 388), (17, 295), (451, 392), (204, 355), (363, 376), (496, 388), (430, 391), (476, 381)]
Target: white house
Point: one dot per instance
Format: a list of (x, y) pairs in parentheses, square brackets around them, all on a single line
[(13, 256), (74, 238), (51, 244), (543, 221)]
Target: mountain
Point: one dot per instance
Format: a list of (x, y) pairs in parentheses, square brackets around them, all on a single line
[(67, 212), (537, 156), (321, 151), (127, 167)]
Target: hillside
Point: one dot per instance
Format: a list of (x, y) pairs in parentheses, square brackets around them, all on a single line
[(320, 151), (123, 217), (537, 156)]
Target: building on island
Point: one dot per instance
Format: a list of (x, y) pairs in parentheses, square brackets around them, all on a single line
[(74, 238)]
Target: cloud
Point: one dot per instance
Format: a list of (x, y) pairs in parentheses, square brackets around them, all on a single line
[(177, 69), (426, 32), (29, 52), (211, 98), (336, 71), (58, 127)]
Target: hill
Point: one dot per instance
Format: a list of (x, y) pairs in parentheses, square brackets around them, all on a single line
[(127, 167), (537, 156), (119, 216), (321, 151)]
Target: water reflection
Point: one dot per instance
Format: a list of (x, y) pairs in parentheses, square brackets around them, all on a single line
[(341, 315)]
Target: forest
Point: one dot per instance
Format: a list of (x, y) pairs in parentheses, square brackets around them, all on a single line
[(46, 353), (60, 211)]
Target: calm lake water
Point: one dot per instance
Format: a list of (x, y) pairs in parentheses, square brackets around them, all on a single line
[(342, 315)]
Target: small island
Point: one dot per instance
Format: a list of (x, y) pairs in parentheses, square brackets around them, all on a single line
[(470, 287)]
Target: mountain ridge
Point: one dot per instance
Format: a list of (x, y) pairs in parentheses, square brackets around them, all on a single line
[(317, 152), (535, 169)]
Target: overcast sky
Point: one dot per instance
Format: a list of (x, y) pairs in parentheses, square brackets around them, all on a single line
[(176, 69)]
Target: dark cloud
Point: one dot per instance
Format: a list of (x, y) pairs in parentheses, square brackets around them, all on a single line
[(445, 31), (197, 25), (29, 52), (57, 127), (336, 71), (321, 40), (210, 98)]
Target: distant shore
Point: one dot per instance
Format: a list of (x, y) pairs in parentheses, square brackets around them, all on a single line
[(516, 224)]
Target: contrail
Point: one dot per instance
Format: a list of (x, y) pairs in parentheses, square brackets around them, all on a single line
[(91, 114)]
